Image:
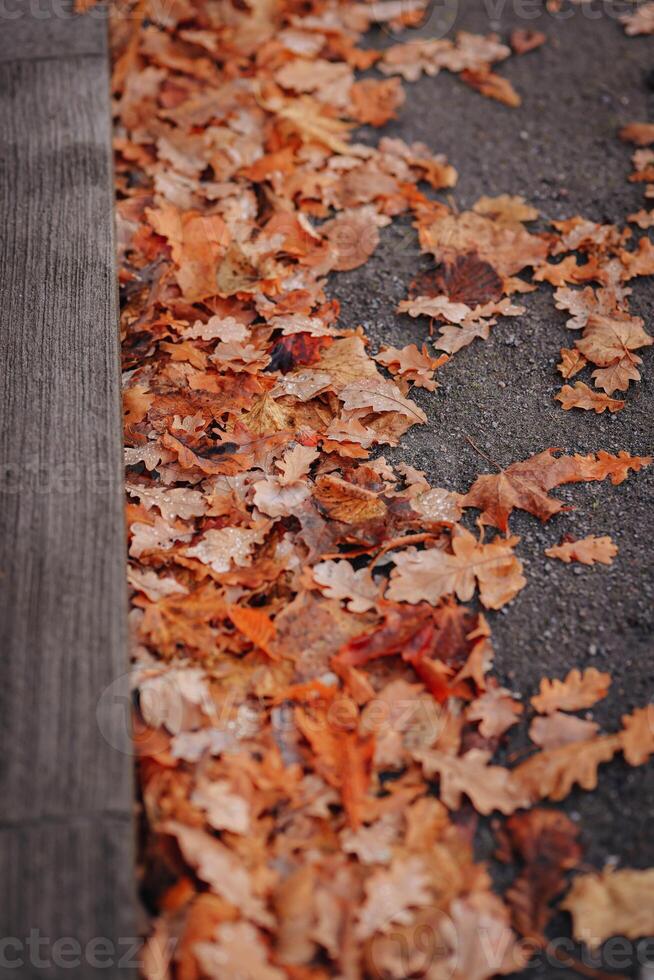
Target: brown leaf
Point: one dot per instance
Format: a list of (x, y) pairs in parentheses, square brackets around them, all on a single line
[(611, 903), (642, 134), (343, 501), (488, 787), (430, 575), (558, 729), (581, 396), (588, 551), (493, 86), (547, 843), (577, 691), (637, 735), (525, 485), (496, 711), (552, 774), (572, 361)]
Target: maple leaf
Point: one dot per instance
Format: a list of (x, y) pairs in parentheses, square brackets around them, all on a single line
[(526, 485), (609, 342), (338, 580), (578, 690), (430, 575), (488, 787), (553, 773), (611, 903), (637, 735), (588, 551)]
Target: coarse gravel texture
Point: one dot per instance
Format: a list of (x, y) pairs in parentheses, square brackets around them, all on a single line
[(560, 150)]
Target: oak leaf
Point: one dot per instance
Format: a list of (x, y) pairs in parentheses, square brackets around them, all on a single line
[(430, 575), (588, 550), (488, 787), (338, 580), (581, 396), (391, 894), (572, 361), (238, 950), (577, 691), (611, 903), (558, 729), (553, 773), (495, 710), (637, 735)]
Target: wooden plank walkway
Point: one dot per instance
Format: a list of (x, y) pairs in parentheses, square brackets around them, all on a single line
[(66, 799)]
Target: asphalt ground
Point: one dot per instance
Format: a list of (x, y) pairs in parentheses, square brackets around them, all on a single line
[(560, 150)]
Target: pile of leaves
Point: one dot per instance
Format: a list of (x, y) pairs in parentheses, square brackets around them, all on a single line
[(317, 716)]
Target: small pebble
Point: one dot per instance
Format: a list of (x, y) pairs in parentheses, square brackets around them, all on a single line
[(592, 649)]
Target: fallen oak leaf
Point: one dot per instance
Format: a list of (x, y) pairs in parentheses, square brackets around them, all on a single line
[(412, 364), (578, 690), (571, 363), (391, 894), (523, 40), (558, 729), (492, 85), (220, 868), (236, 950), (430, 575), (338, 580), (553, 773), (637, 735), (642, 134), (611, 903), (488, 787), (588, 551), (379, 395), (581, 396), (495, 710)]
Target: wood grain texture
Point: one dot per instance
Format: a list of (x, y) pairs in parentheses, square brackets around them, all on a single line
[(66, 846), (49, 29)]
